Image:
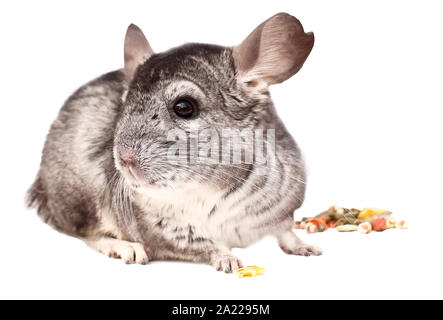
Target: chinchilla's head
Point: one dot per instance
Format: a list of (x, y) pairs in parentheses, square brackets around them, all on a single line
[(184, 107)]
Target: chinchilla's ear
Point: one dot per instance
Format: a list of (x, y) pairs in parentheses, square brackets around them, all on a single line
[(273, 52), (137, 50)]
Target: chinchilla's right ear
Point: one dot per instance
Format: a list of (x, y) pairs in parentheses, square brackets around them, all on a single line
[(137, 50), (273, 52)]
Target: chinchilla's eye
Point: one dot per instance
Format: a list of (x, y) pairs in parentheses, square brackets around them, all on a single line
[(184, 108)]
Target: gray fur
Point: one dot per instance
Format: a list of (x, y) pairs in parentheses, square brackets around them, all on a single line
[(196, 212)]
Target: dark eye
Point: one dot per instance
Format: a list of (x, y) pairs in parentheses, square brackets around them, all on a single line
[(184, 108)]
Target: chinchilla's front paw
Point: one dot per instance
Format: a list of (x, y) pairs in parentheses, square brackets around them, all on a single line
[(225, 262)]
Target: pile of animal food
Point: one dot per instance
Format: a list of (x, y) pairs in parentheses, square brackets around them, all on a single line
[(346, 220)]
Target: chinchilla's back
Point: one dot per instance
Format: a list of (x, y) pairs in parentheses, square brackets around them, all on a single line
[(77, 157)]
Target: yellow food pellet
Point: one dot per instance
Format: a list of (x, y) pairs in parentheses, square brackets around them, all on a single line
[(250, 271), (370, 212)]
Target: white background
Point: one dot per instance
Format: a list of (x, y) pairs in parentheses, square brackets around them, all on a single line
[(366, 110)]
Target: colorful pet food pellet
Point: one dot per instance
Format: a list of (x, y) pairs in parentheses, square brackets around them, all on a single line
[(379, 224), (392, 221), (311, 228), (346, 228), (402, 224), (250, 271), (364, 227)]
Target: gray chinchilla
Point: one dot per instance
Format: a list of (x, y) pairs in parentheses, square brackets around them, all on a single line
[(108, 175)]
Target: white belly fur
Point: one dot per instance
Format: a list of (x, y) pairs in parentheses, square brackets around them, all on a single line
[(191, 205)]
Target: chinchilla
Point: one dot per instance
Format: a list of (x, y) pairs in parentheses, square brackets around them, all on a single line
[(112, 175)]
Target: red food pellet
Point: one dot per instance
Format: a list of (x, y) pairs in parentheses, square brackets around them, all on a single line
[(379, 224)]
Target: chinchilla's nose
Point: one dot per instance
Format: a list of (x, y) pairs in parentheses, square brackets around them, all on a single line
[(128, 159), (131, 166)]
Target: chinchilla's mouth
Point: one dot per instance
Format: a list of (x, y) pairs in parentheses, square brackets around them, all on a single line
[(146, 186), (137, 184)]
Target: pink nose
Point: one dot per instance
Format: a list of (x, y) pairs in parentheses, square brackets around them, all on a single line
[(130, 165), (128, 159)]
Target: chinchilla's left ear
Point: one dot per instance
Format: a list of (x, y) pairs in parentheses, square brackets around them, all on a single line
[(137, 50), (273, 52)]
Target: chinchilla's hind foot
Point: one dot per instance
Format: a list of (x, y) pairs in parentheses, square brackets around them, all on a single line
[(129, 252), (291, 244)]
